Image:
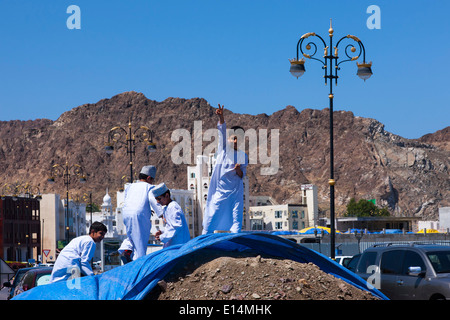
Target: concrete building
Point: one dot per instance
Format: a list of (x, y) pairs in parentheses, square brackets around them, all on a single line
[(377, 224), (20, 234), (444, 219), (110, 217), (285, 217), (55, 224), (256, 201)]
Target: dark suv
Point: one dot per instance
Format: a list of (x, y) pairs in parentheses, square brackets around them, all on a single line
[(407, 272)]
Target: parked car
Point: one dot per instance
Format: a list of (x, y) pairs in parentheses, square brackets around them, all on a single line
[(33, 278), (343, 260), (16, 279), (407, 272), (351, 264), (47, 264)]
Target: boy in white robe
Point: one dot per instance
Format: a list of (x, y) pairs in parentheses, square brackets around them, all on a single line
[(225, 201), (137, 210), (74, 259), (126, 251), (176, 230)]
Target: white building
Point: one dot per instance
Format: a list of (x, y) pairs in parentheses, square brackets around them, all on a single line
[(444, 219), (256, 201), (285, 217), (111, 218)]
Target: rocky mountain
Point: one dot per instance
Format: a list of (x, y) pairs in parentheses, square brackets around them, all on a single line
[(410, 177)]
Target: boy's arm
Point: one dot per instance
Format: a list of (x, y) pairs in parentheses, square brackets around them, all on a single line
[(221, 126), (219, 112), (241, 168), (86, 256), (238, 169), (155, 205)]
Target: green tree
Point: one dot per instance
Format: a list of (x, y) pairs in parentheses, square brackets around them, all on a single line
[(364, 208), (95, 207)]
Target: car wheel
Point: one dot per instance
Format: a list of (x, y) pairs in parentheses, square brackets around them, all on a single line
[(437, 296)]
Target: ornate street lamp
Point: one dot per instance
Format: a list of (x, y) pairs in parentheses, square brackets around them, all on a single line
[(86, 198), (119, 134), (17, 189), (67, 172), (331, 65)]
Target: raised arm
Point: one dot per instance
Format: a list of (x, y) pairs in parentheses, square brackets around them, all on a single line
[(221, 126), (219, 112)]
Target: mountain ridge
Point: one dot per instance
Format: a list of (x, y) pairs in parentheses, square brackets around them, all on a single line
[(408, 176)]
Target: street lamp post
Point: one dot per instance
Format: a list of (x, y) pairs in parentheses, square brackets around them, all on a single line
[(87, 198), (331, 62), (66, 172), (141, 134)]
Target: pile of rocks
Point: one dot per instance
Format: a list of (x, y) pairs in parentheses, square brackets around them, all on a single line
[(253, 278)]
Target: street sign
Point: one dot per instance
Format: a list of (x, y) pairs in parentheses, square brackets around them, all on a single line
[(46, 252)]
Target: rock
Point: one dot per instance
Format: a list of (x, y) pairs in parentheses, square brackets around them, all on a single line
[(226, 288), (162, 285), (256, 296)]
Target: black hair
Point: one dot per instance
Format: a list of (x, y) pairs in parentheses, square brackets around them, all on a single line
[(143, 176), (167, 192), (97, 226), (237, 128)]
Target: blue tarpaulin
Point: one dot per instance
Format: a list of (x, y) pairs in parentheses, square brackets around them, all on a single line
[(135, 280)]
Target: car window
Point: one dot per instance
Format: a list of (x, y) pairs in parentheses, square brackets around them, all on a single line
[(391, 262), (19, 276), (28, 279), (412, 259), (440, 261), (42, 279), (366, 260), (345, 261), (351, 265)]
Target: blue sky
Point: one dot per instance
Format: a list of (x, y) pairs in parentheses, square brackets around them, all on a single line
[(229, 52)]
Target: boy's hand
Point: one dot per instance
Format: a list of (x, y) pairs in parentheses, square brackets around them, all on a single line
[(157, 234), (238, 169), (219, 112)]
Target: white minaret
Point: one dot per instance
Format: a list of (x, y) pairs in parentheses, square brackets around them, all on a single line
[(107, 214)]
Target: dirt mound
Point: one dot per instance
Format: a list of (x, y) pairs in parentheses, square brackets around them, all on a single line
[(253, 278)]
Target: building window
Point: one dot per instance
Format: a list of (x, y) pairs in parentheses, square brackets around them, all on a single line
[(294, 214), (278, 225), (192, 174), (278, 214), (256, 224)]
